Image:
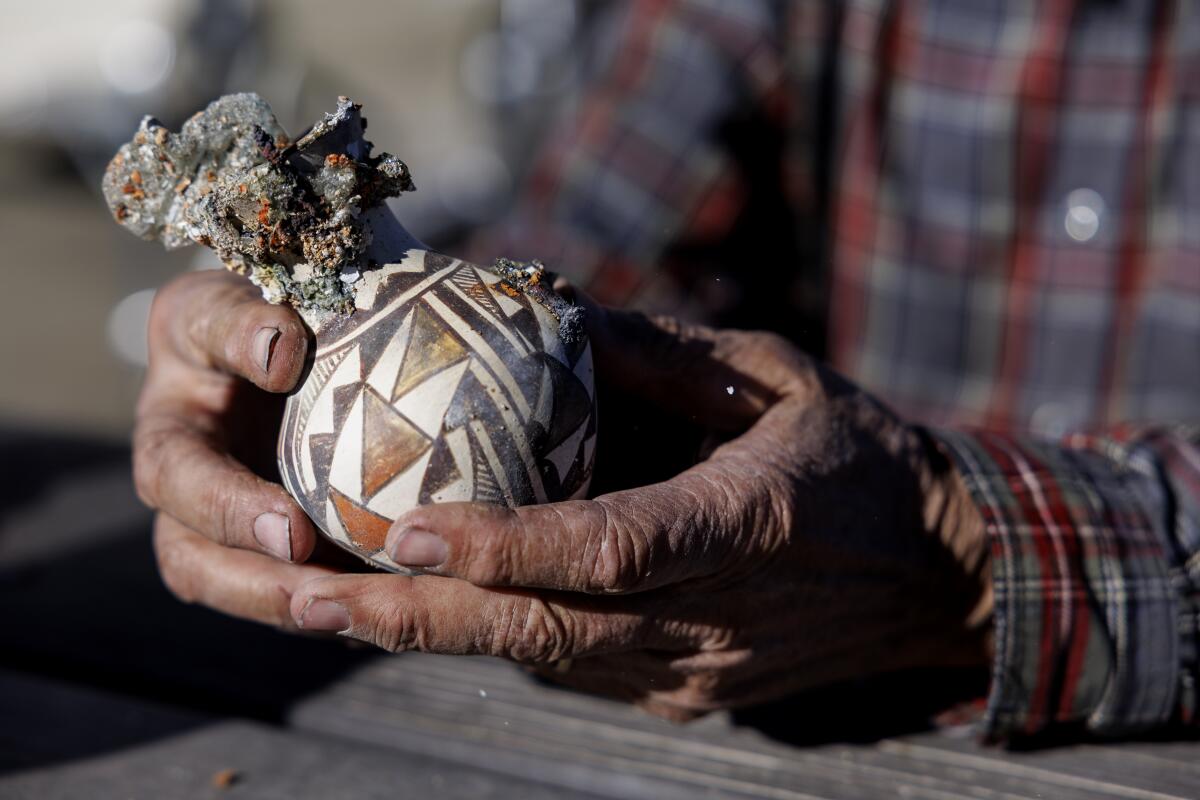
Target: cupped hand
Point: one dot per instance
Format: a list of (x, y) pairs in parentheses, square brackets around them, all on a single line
[(207, 418), (819, 538), (808, 535)]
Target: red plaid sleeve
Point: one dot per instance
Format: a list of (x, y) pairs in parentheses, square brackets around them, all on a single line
[(1096, 567)]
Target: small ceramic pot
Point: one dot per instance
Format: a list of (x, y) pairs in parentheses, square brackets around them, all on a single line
[(433, 380), (447, 383)]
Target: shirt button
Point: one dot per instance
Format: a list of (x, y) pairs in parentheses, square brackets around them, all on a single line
[(1085, 208)]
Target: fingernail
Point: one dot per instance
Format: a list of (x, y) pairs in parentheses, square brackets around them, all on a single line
[(274, 532), (324, 615), (264, 347), (417, 548)]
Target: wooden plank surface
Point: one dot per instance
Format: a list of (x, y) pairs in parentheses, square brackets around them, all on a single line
[(60, 741), (108, 683), (483, 711)]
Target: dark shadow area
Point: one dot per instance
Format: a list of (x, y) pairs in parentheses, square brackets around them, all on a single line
[(97, 615), (868, 710), (1075, 734), (856, 712), (905, 703), (32, 461), (45, 722)]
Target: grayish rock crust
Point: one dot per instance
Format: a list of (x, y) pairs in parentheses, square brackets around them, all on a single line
[(288, 215)]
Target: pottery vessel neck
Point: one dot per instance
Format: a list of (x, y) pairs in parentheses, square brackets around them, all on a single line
[(391, 243)]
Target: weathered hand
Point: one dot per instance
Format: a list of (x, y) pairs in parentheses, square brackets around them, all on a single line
[(821, 539), (206, 426)]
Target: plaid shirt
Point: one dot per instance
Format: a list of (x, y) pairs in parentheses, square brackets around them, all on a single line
[(986, 213)]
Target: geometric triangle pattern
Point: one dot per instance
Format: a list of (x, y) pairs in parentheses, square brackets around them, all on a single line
[(447, 388), (572, 403), (431, 348), (421, 402), (390, 443), (467, 279), (366, 529)]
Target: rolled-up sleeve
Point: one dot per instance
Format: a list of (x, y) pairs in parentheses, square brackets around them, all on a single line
[(1095, 544)]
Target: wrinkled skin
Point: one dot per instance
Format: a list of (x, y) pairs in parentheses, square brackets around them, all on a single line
[(743, 545)]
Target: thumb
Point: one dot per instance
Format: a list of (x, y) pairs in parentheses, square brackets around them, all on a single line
[(687, 369)]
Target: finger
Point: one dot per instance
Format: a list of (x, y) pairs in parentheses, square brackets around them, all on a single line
[(218, 320), (628, 677), (649, 680), (178, 469), (697, 524), (443, 615), (236, 582), (723, 379)]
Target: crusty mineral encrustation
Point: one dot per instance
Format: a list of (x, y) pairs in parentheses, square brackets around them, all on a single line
[(288, 215), (430, 379), (291, 216)]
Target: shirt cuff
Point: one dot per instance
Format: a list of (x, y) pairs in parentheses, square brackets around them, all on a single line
[(1088, 621)]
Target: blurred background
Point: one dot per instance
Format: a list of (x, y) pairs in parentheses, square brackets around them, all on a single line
[(456, 88)]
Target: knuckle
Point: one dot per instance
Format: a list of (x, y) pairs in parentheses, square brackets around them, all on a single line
[(221, 511), (749, 503), (719, 495), (622, 552), (695, 698), (149, 444), (668, 710), (490, 558), (396, 627), (204, 328), (190, 315), (775, 348), (531, 631), (175, 559), (395, 632), (160, 313), (165, 316), (781, 510)]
